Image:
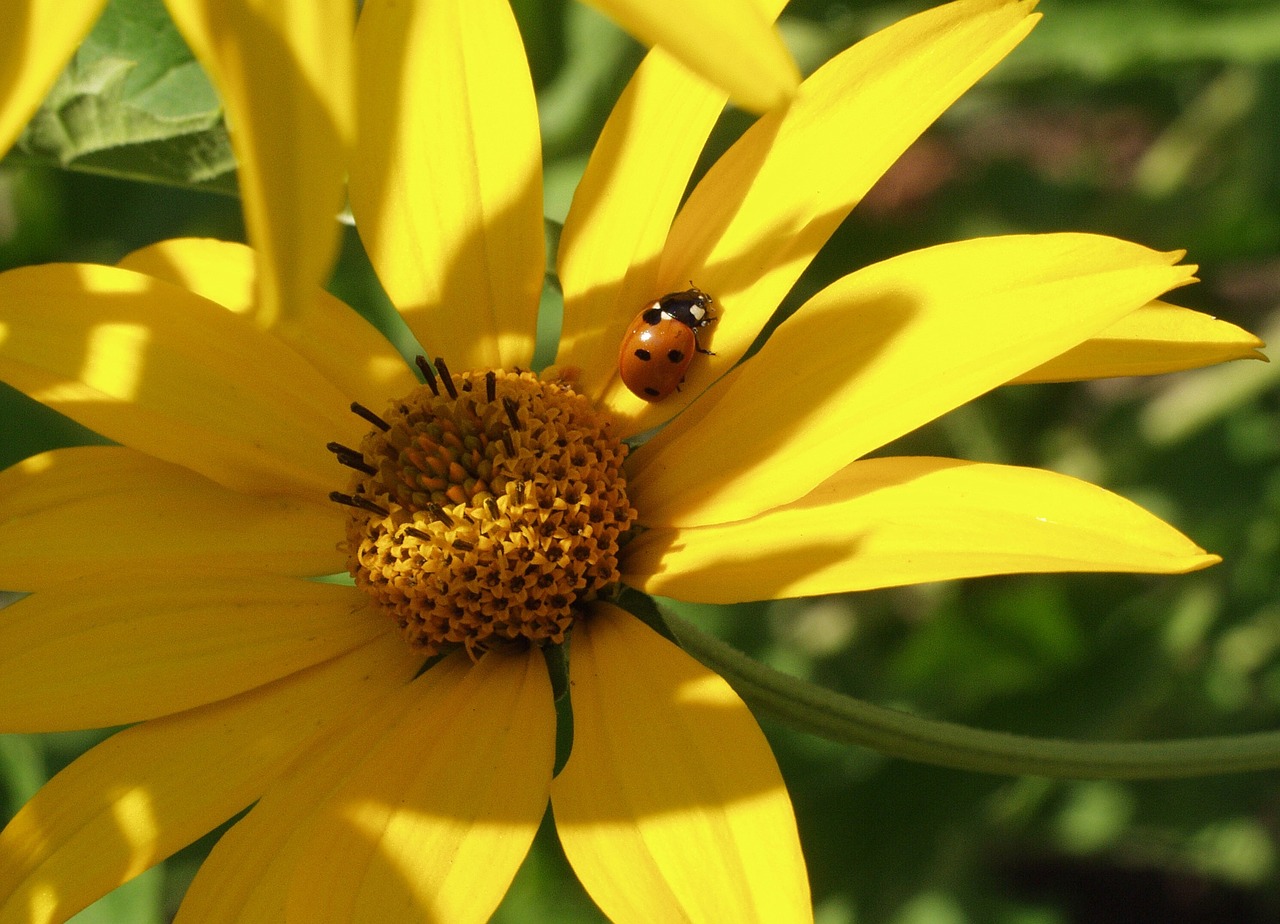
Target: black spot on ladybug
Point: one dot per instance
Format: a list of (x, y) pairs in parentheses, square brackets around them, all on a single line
[(643, 355), (675, 356), (652, 391), (652, 315)]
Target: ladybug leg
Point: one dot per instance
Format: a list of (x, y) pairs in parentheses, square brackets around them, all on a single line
[(698, 346)]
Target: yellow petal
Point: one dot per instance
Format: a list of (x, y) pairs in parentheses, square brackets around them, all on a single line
[(37, 39), (152, 366), (1156, 338), (762, 212), (246, 877), (120, 647), (221, 271), (346, 349), (283, 69), (671, 807), (446, 185), (71, 512), (434, 820), (880, 352), (728, 42), (155, 787), (622, 211), (886, 522)]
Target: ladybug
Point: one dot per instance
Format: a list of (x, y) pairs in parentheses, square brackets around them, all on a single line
[(662, 341)]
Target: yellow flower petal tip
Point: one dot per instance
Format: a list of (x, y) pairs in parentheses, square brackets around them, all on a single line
[(730, 44), (1155, 339)]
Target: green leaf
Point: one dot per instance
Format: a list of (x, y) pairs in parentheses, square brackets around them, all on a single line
[(22, 768), (134, 103)]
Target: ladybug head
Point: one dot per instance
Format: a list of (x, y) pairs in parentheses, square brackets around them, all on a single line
[(688, 307)]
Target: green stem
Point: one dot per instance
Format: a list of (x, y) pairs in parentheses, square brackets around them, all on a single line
[(899, 734)]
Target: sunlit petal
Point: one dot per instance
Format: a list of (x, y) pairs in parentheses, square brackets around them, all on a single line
[(763, 211), (119, 647), (446, 185), (71, 512), (155, 367), (155, 787), (880, 352), (1154, 339), (346, 348), (247, 876), (892, 521), (622, 210), (37, 39), (221, 271), (671, 807), (435, 819), (729, 42), (284, 71)]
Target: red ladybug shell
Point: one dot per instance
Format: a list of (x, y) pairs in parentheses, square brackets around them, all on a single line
[(661, 343)]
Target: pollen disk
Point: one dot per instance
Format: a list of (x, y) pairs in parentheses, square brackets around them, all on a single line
[(487, 511)]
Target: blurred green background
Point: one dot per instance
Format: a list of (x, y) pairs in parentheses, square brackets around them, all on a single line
[(1153, 120)]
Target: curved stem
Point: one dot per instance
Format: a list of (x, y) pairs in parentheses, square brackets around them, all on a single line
[(899, 734)]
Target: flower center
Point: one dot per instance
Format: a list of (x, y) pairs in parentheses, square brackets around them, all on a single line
[(485, 509)]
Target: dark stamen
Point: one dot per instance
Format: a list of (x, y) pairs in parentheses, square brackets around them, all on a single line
[(365, 504), (463, 545), (358, 463), (508, 444), (510, 405), (438, 513), (446, 378), (427, 374), (492, 506), (417, 533), (355, 500), (351, 458), (370, 416), (490, 385)]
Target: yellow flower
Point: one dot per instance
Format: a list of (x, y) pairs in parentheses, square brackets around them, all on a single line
[(169, 573)]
